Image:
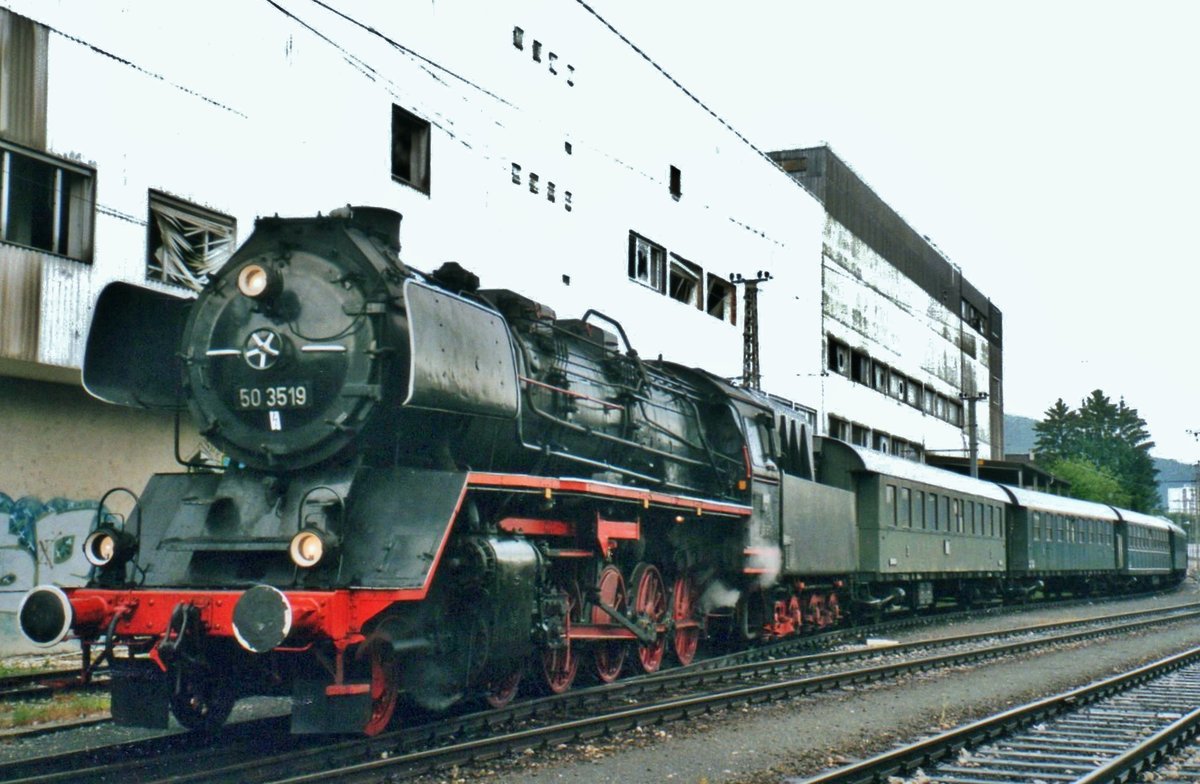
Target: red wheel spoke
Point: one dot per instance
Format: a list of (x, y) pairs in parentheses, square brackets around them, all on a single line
[(684, 609), (649, 609), (609, 656)]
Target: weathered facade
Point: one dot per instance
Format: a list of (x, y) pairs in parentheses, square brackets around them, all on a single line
[(910, 344)]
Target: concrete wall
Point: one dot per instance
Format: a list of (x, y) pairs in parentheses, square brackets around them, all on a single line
[(62, 450)]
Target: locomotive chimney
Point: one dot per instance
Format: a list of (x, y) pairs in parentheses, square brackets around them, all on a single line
[(380, 221)]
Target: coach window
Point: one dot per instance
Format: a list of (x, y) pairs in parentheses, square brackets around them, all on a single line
[(904, 509), (956, 515), (1037, 526), (971, 517), (889, 504), (931, 520), (945, 513), (410, 149), (919, 507)]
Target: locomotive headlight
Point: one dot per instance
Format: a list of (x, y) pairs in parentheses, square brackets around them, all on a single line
[(258, 282), (309, 546), (106, 545)]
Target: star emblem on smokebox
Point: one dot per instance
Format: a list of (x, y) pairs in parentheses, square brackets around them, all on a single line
[(263, 348)]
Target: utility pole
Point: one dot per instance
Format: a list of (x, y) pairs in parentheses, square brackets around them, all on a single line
[(1194, 506), (751, 373), (973, 428)]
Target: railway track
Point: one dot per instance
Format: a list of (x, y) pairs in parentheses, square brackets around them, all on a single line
[(1111, 731), (263, 751), (42, 684)]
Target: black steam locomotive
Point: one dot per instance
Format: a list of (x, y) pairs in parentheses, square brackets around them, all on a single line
[(430, 491)]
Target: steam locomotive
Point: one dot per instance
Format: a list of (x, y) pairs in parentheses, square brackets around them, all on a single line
[(430, 492)]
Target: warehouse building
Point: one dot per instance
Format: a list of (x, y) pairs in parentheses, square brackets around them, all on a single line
[(530, 142)]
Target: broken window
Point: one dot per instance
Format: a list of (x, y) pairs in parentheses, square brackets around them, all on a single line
[(410, 149), (647, 262), (186, 243), (46, 203), (720, 302), (685, 281)]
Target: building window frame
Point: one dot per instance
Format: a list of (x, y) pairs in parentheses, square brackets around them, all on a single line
[(186, 243), (647, 262), (411, 149), (685, 281), (47, 203)]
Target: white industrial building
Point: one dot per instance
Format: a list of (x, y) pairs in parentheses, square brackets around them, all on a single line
[(527, 140)]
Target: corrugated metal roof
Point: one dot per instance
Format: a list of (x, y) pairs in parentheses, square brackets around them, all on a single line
[(912, 471), (1048, 502), (1150, 521)]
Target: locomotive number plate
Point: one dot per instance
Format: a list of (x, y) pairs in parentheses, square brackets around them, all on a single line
[(277, 397)]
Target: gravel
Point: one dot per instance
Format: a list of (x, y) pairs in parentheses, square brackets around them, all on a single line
[(804, 736)]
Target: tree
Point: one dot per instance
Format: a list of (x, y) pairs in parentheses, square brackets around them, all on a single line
[(1090, 482), (1111, 438), (1056, 433)]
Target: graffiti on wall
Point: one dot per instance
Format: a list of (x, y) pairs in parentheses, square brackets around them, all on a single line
[(40, 542)]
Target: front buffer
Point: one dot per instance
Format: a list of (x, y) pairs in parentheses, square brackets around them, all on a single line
[(352, 628)]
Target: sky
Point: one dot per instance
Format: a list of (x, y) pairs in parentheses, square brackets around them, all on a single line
[(1050, 149)]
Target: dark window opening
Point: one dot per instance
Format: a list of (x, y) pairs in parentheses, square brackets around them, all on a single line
[(516, 174), (48, 204), (537, 51), (720, 302), (839, 357), (410, 149), (860, 367), (533, 183), (676, 186), (518, 38), (795, 164), (550, 191), (879, 376), (567, 147), (685, 281), (552, 58)]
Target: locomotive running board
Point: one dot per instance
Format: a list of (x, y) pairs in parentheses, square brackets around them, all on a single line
[(587, 487)]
